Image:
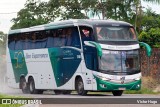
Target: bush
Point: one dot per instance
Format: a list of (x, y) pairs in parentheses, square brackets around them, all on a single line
[(152, 37)]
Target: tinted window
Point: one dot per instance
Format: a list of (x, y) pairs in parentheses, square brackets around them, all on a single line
[(43, 39), (105, 33), (63, 37)]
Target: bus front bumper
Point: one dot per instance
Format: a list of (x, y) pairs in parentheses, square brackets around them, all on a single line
[(103, 85)]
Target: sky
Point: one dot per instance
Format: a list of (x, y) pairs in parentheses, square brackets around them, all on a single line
[(9, 9)]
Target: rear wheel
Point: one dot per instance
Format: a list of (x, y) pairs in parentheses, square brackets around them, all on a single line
[(80, 87), (24, 86), (117, 93), (31, 85)]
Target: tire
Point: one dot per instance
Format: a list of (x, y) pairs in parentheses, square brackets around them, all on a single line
[(57, 92), (117, 93), (80, 87), (24, 86), (67, 92), (31, 85)]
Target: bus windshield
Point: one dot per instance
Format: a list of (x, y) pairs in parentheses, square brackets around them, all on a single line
[(119, 61), (105, 33)]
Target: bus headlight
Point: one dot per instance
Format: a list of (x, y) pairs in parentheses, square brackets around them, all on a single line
[(137, 79), (105, 79)]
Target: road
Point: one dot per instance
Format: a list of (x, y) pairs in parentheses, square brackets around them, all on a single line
[(80, 101), (50, 94)]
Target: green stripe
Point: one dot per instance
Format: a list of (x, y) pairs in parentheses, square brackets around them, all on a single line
[(18, 64), (55, 61)]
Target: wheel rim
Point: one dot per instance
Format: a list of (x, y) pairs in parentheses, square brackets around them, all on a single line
[(31, 86)]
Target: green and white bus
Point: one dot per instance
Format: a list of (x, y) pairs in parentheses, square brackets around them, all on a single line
[(81, 54)]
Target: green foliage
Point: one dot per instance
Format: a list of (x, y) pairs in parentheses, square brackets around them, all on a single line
[(3, 38), (152, 37), (32, 14), (36, 12), (150, 20), (66, 9)]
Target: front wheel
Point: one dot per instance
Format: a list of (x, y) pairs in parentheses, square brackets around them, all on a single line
[(117, 93), (80, 87)]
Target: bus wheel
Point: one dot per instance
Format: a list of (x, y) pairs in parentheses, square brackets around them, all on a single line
[(117, 93), (57, 92), (31, 85), (67, 92), (80, 87), (24, 86)]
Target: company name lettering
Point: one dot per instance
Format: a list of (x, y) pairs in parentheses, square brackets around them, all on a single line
[(35, 56)]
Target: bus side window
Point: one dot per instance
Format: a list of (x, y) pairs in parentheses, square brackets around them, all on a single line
[(11, 42), (69, 36), (38, 43), (56, 39), (75, 39), (63, 37), (19, 43), (50, 38), (26, 43), (86, 34), (42, 39)]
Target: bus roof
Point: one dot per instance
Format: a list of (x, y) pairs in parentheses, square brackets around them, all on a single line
[(72, 22)]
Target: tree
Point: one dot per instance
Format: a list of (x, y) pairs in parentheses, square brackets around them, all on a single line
[(36, 12), (150, 20), (66, 9), (152, 37), (3, 39), (32, 14)]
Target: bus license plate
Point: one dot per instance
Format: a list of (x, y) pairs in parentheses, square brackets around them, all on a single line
[(121, 88)]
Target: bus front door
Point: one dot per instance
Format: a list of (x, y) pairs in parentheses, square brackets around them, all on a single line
[(70, 64)]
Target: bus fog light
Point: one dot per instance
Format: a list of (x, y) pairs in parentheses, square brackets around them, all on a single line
[(103, 85), (138, 86)]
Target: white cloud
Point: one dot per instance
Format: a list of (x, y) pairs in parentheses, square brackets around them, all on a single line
[(155, 7), (9, 6)]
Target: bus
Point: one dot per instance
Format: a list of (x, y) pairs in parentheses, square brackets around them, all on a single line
[(79, 54)]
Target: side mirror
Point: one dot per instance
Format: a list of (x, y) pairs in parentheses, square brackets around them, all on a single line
[(147, 47), (98, 47)]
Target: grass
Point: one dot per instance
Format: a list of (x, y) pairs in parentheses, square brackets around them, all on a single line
[(141, 91)]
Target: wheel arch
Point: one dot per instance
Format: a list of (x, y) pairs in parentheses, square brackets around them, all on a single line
[(76, 78), (21, 77)]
